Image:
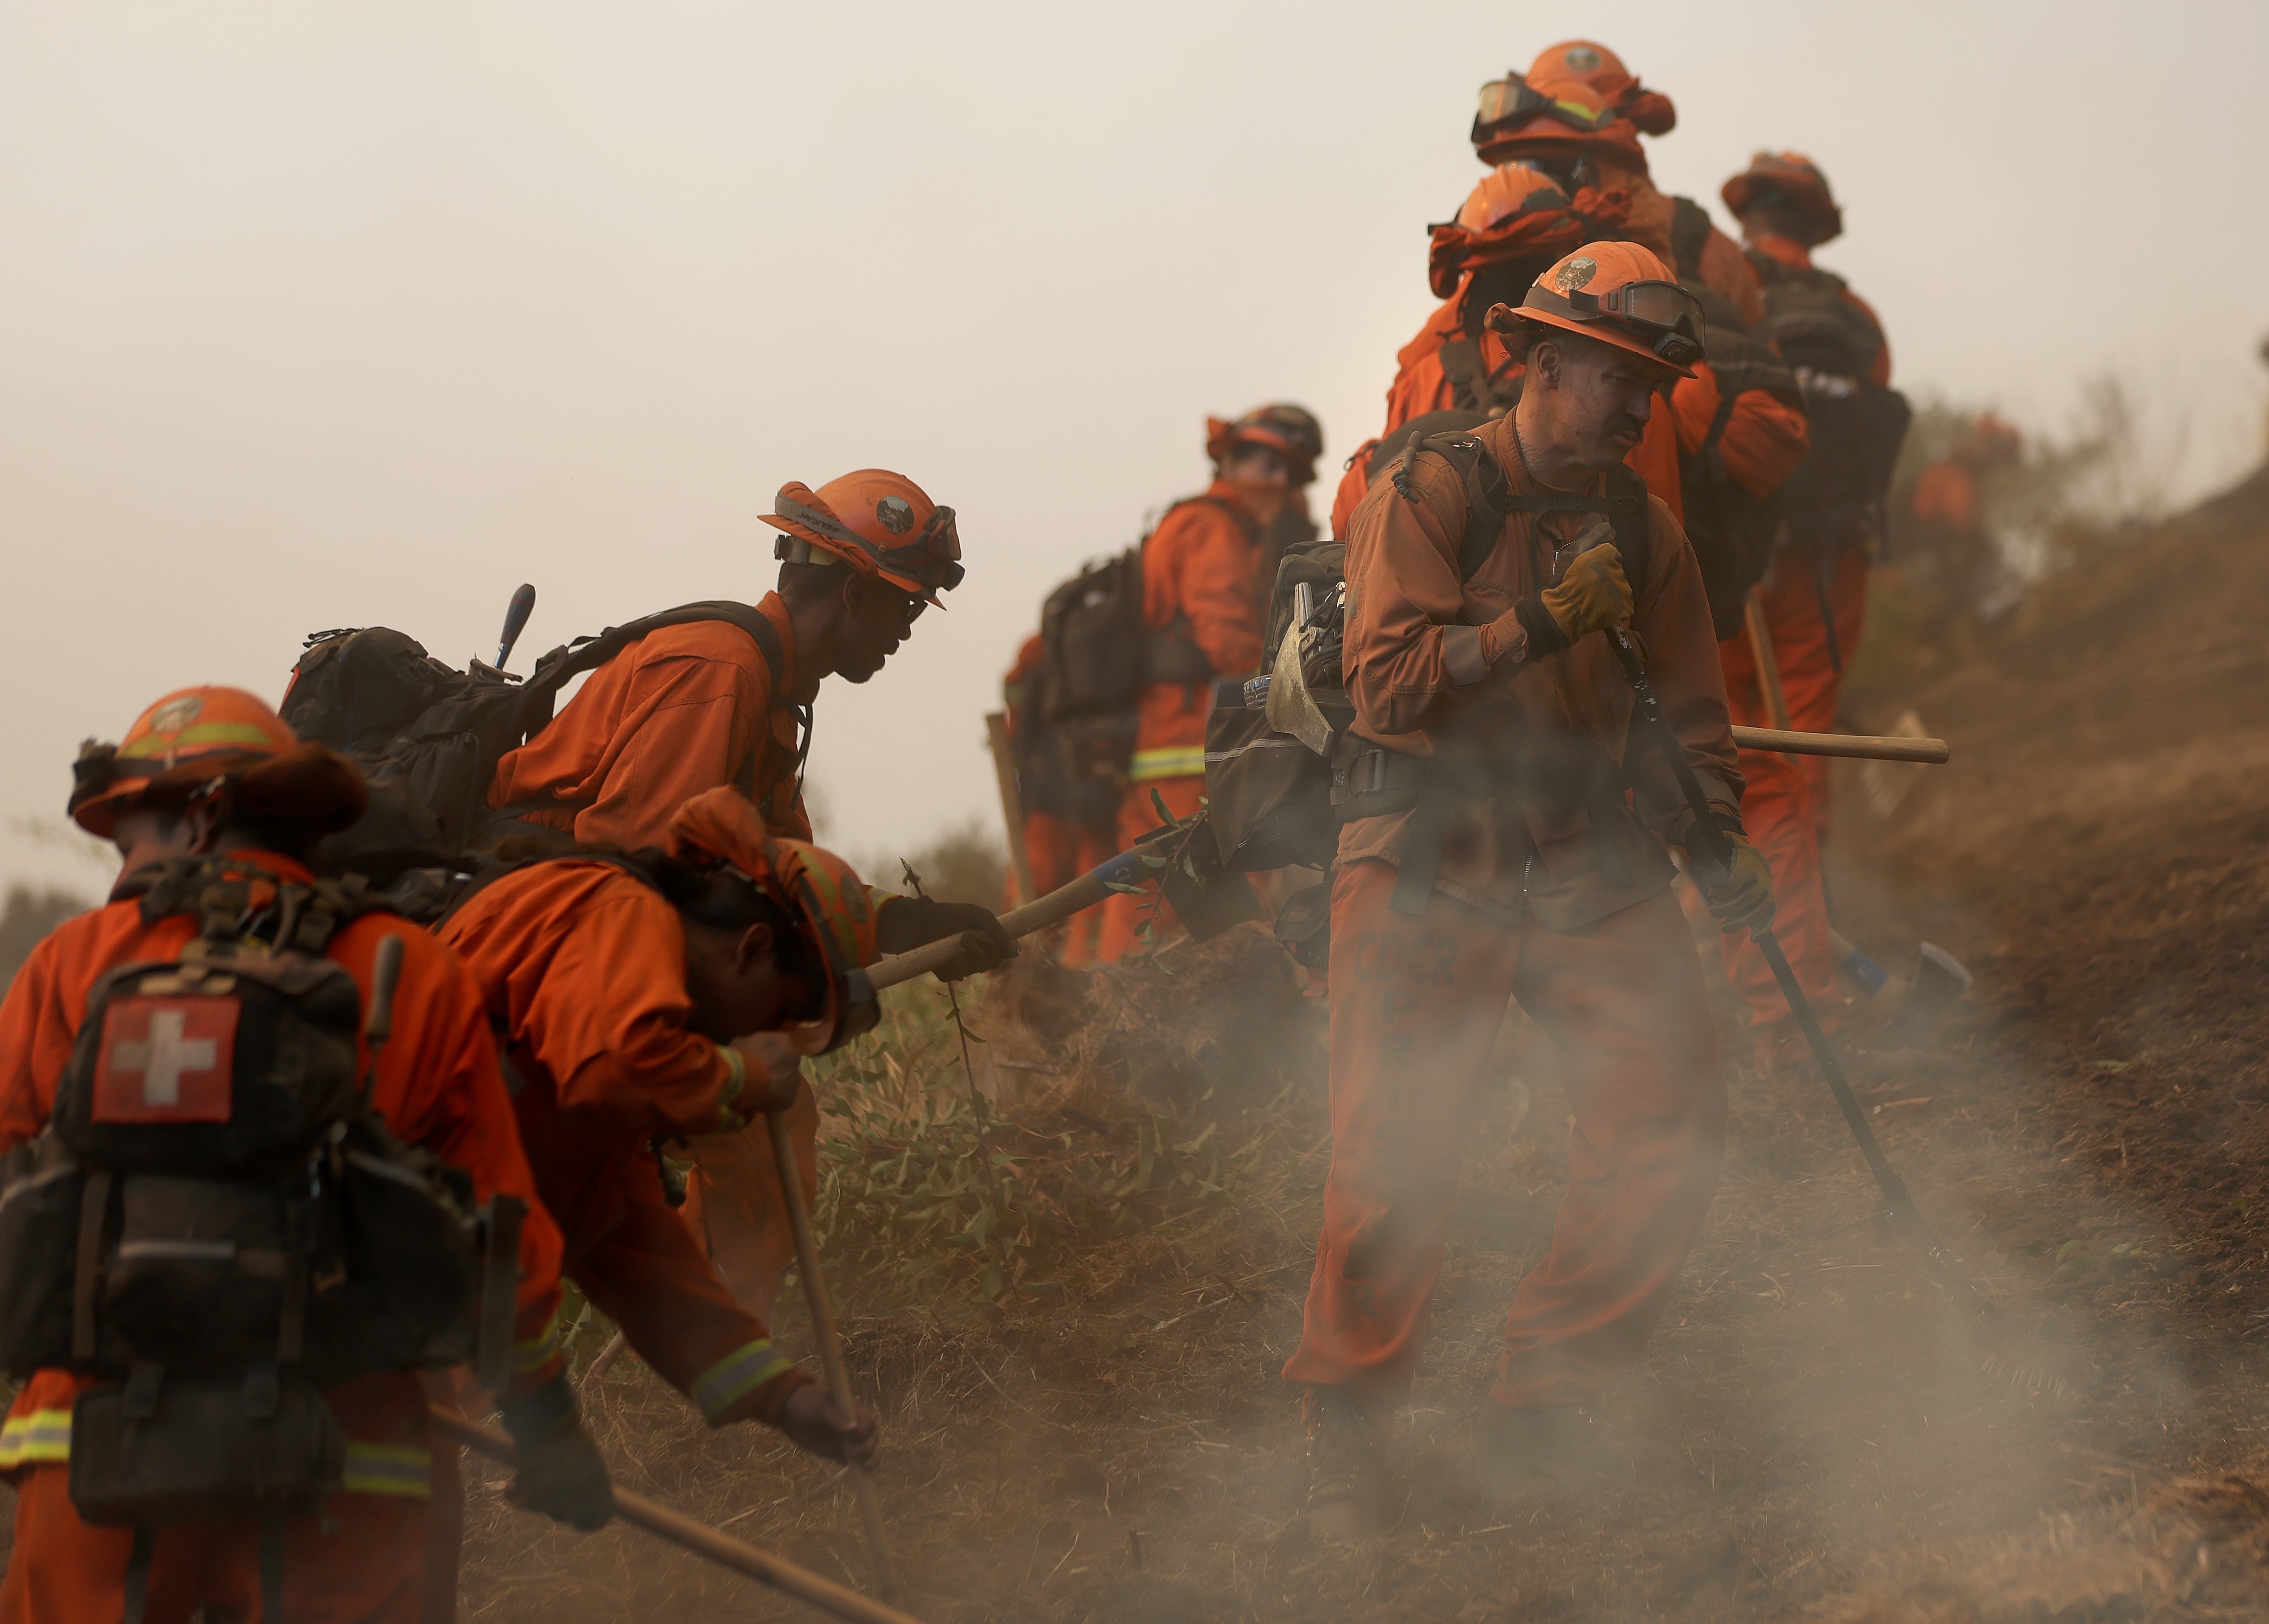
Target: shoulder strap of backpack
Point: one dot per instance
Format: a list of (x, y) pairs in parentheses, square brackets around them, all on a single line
[(557, 668), (493, 871), (1489, 499), (1690, 234), (224, 895), (1487, 493), (1625, 507)]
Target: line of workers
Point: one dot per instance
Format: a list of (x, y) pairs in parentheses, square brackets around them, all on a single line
[(1551, 895), (663, 978)]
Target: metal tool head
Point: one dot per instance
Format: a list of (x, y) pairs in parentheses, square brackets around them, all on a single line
[(1291, 708), (1938, 982)]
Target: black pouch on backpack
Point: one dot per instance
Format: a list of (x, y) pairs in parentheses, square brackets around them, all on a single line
[(199, 1272), (409, 1239), (1268, 797), (201, 1450), (41, 1190)]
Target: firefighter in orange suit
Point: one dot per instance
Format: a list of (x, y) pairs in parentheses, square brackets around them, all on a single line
[(213, 772), (689, 708), (1206, 572), (1814, 597), (1504, 840), (663, 996), (1064, 835)]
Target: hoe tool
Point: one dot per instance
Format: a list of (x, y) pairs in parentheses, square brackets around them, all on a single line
[(831, 1345), (703, 1540), (1714, 849), (1162, 851)]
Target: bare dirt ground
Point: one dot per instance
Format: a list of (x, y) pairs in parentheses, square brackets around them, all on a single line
[(1818, 1431)]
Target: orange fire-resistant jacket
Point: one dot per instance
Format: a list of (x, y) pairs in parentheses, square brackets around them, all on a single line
[(1945, 493), (436, 1085), (1016, 686), (1765, 436), (679, 711), (1545, 748), (1201, 582), (581, 966)]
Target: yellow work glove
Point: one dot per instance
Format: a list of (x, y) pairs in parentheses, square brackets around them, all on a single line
[(1592, 596)]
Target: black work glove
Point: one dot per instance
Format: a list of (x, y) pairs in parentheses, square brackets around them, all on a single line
[(562, 1474), (905, 923), (1740, 894)]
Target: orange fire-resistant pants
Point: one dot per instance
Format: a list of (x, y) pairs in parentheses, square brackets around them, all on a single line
[(363, 1562), (1785, 809), (735, 1204), (1415, 1005), (1061, 850)]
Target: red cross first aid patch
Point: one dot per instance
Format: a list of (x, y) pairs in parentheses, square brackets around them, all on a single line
[(166, 1060)]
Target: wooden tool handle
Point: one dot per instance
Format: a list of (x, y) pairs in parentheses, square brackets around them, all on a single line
[(1126, 869), (1873, 747), (830, 1346), (699, 1538)]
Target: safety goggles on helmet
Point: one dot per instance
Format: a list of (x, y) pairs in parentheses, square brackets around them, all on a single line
[(1663, 314), (1513, 96), (932, 558)]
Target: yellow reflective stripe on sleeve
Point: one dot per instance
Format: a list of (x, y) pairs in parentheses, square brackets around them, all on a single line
[(34, 1437), (536, 1351), (388, 1469), (1186, 760), (735, 1375)]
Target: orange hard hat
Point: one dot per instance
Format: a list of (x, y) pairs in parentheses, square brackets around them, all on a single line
[(1289, 429), (1620, 295), (879, 523), (1519, 115), (1789, 178), (1649, 111), (202, 740), (1517, 212), (1507, 192), (818, 890)]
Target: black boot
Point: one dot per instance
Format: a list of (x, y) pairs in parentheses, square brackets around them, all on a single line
[(1348, 1493)]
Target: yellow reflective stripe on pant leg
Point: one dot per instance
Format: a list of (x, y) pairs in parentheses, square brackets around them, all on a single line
[(401, 1469), (1183, 761), (736, 1374), (36, 1437), (535, 1352)]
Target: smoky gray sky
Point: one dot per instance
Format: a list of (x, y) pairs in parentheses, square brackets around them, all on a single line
[(327, 314)]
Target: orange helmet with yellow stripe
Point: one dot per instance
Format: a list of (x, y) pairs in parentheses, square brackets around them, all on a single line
[(200, 740)]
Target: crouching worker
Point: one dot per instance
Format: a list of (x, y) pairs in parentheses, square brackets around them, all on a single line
[(236, 1128), (1501, 840), (657, 994)]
